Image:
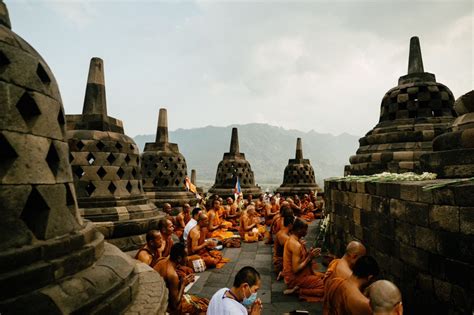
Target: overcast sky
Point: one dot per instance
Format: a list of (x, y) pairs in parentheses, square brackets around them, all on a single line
[(322, 65)]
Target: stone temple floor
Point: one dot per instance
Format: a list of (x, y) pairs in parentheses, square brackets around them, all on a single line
[(259, 256)]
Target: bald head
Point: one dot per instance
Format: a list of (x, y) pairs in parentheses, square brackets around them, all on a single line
[(356, 248), (385, 298)]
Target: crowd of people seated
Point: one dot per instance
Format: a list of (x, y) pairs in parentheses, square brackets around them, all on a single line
[(348, 285)]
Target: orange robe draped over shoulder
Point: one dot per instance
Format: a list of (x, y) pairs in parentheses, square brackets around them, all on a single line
[(212, 258), (311, 285), (339, 300), (220, 233)]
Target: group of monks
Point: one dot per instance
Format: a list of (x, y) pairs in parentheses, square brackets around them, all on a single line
[(277, 220)]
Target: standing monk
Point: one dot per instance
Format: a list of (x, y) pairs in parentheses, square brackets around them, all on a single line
[(217, 227), (178, 302), (181, 220), (166, 229), (151, 251), (298, 266), (280, 239), (197, 244), (344, 296), (342, 268)]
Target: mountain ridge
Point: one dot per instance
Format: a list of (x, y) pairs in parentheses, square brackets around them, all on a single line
[(266, 147)]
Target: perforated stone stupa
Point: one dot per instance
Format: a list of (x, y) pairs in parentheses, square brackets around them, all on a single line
[(453, 151), (298, 177), (234, 165), (412, 114), (106, 169), (51, 261), (164, 169)]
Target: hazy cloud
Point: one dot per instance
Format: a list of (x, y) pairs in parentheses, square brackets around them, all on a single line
[(321, 65)]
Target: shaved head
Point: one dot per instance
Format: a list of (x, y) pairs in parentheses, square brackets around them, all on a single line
[(384, 297), (355, 248)]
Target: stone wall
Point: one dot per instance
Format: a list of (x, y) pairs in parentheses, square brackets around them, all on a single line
[(422, 240)]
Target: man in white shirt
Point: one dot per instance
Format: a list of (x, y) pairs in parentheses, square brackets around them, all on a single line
[(240, 297), (192, 223)]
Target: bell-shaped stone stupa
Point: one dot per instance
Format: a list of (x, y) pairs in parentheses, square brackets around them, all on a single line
[(106, 169), (51, 261), (164, 169), (233, 166), (299, 175), (453, 151), (412, 114)]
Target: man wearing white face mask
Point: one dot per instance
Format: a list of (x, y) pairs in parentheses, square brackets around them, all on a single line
[(240, 297)]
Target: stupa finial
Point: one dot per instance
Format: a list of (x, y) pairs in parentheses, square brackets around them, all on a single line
[(162, 130), (234, 142), (415, 60), (95, 102), (299, 149)]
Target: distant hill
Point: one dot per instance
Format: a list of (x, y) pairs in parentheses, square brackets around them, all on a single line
[(266, 147)]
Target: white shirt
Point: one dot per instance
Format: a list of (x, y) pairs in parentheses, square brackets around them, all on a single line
[(192, 223), (220, 304)]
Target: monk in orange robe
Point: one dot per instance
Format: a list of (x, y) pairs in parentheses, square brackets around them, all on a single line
[(218, 227), (250, 229), (277, 222), (385, 298), (166, 228), (181, 220), (344, 296), (167, 209), (279, 244), (232, 213), (342, 267), (178, 301), (298, 267), (271, 210), (151, 251), (197, 244)]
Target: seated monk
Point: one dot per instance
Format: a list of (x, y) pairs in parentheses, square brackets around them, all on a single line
[(279, 244), (344, 296), (260, 205), (167, 209), (232, 213), (178, 302), (385, 298), (250, 229), (277, 222), (296, 209), (151, 251), (307, 212), (197, 244), (271, 210), (342, 267), (166, 228), (217, 227), (298, 267), (181, 220)]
